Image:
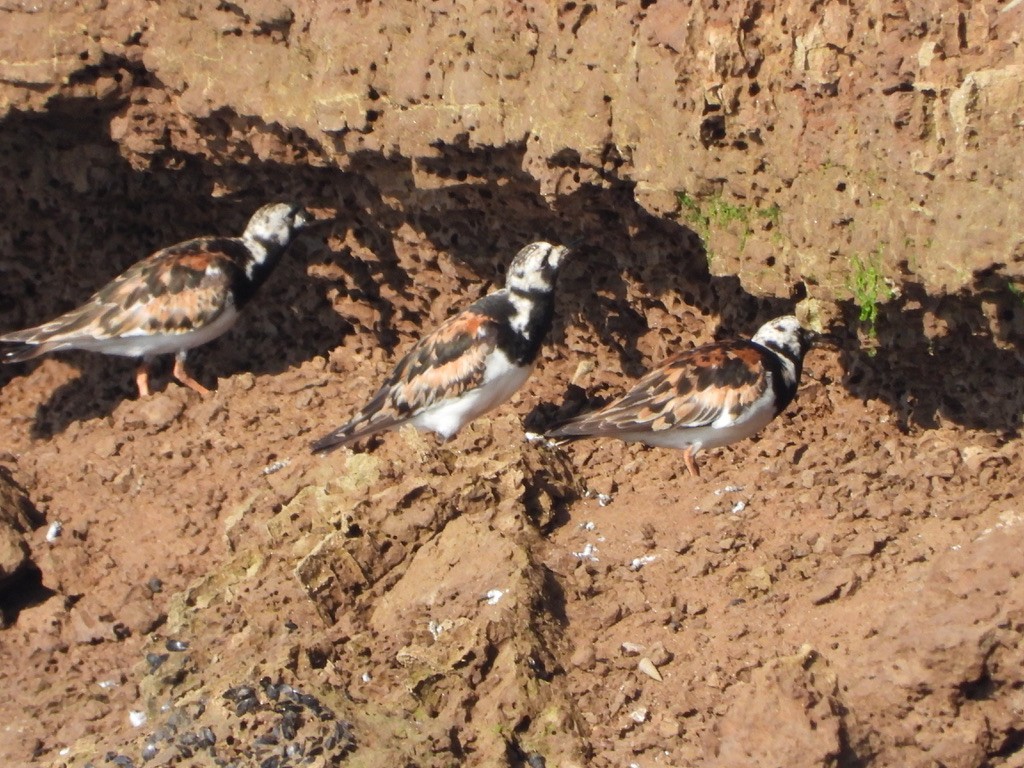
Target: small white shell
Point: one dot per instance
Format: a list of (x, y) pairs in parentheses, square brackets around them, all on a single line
[(646, 666), (137, 718), (54, 531), (639, 562)]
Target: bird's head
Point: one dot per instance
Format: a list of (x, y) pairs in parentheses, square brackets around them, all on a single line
[(786, 335), (534, 268), (275, 224)]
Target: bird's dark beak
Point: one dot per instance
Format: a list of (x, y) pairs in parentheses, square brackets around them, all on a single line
[(569, 249), (558, 254), (318, 218), (574, 244), (830, 340)]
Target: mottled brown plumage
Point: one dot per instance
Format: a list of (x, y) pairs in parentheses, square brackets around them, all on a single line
[(176, 299), (706, 397), (469, 364), (442, 365)]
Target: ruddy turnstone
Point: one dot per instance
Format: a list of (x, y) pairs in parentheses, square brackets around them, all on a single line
[(706, 397), (472, 362), (176, 299)]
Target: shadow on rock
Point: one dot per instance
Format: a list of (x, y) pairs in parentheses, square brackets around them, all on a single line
[(941, 359), (24, 590), (413, 241)]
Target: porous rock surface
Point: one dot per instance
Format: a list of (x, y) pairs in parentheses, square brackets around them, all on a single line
[(16, 521), (827, 130)]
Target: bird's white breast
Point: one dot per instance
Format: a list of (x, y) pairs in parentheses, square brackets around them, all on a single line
[(501, 380), (149, 343)]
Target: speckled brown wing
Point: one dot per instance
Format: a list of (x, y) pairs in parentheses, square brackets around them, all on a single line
[(174, 291), (444, 364), (695, 388)]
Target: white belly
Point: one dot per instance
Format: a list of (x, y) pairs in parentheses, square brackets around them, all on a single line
[(501, 381), (158, 344), (724, 431)]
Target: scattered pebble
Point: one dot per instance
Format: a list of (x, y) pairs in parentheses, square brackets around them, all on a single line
[(610, 616), (589, 525), (137, 718), (493, 596), (639, 715), (176, 645), (632, 649), (658, 654), (160, 412), (54, 531), (669, 728), (739, 506), (583, 657), (366, 677)]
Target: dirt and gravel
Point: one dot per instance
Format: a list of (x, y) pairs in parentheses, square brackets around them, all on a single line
[(185, 584)]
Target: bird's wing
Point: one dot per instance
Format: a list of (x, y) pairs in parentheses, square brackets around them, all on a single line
[(446, 363), (713, 384)]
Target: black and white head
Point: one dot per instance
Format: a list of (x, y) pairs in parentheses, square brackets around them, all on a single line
[(274, 225), (534, 268), (787, 337)]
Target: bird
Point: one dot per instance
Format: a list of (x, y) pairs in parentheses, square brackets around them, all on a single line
[(174, 300), (471, 363), (707, 397)]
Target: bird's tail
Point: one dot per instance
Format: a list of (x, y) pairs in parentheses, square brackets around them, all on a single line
[(340, 437), (370, 420), (19, 351), (564, 433)]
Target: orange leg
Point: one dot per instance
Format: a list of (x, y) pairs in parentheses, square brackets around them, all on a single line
[(183, 376), (691, 463), (142, 378)]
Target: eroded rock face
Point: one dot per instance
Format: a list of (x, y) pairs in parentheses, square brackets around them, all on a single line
[(433, 609), (787, 714), (791, 139), (958, 638), (15, 524), (720, 163)]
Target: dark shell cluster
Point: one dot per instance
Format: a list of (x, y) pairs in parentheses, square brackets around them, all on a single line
[(275, 726)]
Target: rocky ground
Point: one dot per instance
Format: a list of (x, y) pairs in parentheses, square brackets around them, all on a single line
[(184, 584)]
